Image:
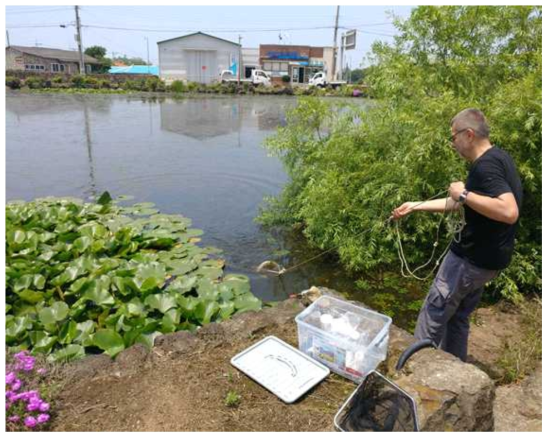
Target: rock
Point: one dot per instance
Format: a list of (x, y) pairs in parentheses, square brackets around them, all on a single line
[(518, 407)]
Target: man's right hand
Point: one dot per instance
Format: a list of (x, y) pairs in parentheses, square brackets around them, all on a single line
[(404, 210)]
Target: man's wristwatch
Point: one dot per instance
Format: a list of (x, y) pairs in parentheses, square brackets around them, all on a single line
[(463, 196)]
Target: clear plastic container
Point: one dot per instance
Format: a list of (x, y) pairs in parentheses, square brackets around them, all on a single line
[(347, 338)]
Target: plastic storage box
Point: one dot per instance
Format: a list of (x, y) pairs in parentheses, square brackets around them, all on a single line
[(348, 339)]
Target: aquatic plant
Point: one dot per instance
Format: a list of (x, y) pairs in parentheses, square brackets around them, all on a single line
[(98, 277)]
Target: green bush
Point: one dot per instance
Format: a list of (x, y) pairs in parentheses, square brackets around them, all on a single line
[(350, 167), (78, 81), (286, 79), (13, 82), (154, 84), (34, 82), (177, 86), (57, 79)]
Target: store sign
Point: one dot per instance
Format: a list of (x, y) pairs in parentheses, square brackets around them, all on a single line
[(285, 55), (350, 40)]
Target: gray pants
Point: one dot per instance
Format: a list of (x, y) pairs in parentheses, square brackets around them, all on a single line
[(453, 296)]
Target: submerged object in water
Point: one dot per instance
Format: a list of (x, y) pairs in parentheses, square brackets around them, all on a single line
[(270, 267)]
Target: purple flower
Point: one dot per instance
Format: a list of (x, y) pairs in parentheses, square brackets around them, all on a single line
[(43, 418), (20, 355), (10, 377), (32, 407), (35, 400), (14, 418), (16, 385), (30, 421), (44, 407)]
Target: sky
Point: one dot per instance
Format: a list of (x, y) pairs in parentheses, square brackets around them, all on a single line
[(129, 30)]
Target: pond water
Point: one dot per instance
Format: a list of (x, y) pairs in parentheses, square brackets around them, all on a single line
[(198, 157)]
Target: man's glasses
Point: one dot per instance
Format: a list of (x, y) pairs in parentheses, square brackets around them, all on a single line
[(453, 136)]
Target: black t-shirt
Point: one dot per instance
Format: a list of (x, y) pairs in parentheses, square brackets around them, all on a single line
[(487, 243)]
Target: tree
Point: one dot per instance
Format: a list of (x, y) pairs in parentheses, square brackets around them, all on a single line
[(349, 169), (98, 52)]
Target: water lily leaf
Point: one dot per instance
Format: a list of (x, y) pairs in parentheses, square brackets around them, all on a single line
[(170, 321), (153, 273), (17, 327), (82, 244), (148, 339), (126, 285), (179, 268), (93, 230), (71, 352), (51, 315), (205, 310), (68, 332), (31, 296), (39, 281), (213, 273), (23, 282), (98, 291), (226, 310), (42, 342), (104, 199), (135, 307), (247, 303), (85, 330), (109, 341), (161, 302), (183, 284)]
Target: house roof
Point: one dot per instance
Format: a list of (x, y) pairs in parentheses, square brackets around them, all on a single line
[(135, 70), (62, 55), (198, 33)]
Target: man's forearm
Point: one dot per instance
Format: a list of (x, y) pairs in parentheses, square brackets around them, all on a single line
[(439, 205)]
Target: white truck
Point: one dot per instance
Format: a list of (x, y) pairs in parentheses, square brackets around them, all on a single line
[(258, 77), (320, 80)]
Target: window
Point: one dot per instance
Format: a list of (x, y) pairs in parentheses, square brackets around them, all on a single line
[(58, 67), (34, 67), (268, 66)]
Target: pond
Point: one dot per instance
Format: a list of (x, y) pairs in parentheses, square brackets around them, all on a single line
[(198, 157)]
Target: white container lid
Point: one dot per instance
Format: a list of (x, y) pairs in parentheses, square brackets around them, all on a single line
[(280, 368)]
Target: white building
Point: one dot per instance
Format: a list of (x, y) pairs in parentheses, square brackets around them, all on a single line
[(197, 57)]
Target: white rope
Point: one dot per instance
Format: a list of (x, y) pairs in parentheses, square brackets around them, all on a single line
[(455, 227)]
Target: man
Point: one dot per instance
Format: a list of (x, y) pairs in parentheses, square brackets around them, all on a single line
[(491, 197)]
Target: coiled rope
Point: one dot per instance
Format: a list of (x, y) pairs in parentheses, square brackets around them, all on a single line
[(455, 227)]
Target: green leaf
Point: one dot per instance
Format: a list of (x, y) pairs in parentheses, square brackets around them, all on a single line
[(109, 341), (42, 342), (82, 243), (69, 353), (68, 332), (98, 292), (31, 296), (104, 199), (247, 303), (23, 282), (161, 302), (51, 315), (148, 339), (84, 333), (205, 310)]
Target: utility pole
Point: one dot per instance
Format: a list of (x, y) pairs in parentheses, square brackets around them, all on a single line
[(239, 63), (341, 69), (335, 45), (8, 37), (147, 40), (79, 41)]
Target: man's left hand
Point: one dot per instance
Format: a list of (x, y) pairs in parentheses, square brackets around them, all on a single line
[(456, 189)]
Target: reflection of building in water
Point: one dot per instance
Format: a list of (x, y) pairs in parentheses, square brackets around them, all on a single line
[(201, 118), (206, 118), (29, 105)]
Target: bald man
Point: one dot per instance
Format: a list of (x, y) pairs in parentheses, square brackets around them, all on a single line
[(491, 197)]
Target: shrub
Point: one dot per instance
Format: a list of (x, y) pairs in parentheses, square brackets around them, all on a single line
[(286, 79), (34, 82), (78, 81), (13, 82), (177, 86), (57, 79)]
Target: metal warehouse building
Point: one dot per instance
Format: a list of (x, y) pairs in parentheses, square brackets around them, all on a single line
[(197, 57)]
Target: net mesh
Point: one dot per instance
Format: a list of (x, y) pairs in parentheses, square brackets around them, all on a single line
[(378, 405)]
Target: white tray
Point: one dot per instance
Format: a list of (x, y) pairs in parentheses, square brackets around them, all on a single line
[(280, 368)]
